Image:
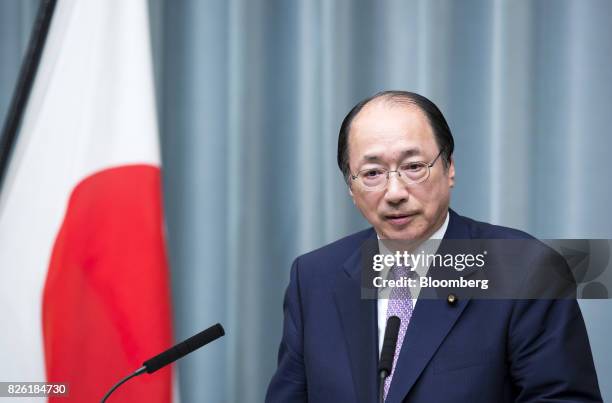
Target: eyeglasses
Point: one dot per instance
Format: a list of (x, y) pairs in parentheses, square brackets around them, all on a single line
[(411, 173)]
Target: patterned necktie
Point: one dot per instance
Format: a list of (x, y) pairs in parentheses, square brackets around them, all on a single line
[(400, 305)]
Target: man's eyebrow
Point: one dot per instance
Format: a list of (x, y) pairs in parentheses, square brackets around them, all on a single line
[(410, 152)]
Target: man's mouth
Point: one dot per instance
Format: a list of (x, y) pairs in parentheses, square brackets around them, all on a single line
[(398, 219)]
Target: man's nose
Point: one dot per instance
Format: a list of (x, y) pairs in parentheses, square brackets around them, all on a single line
[(397, 191)]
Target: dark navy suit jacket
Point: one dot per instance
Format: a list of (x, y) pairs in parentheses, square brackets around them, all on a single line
[(476, 350)]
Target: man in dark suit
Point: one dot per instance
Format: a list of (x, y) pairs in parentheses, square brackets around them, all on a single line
[(395, 151)]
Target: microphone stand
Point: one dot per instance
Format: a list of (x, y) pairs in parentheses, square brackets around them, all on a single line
[(139, 371), (381, 386)]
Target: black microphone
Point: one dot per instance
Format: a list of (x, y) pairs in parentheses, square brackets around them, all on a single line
[(387, 353), (184, 348), (172, 354)]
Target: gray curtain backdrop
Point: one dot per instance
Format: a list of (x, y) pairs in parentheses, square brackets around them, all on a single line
[(16, 20), (251, 94)]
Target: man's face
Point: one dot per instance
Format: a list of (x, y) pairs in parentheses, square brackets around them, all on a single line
[(387, 135)]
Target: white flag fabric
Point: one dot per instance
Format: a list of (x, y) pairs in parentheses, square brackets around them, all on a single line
[(84, 288)]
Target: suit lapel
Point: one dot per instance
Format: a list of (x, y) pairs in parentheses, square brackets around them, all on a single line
[(359, 325), (430, 323)]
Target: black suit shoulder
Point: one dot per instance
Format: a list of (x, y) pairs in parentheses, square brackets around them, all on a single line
[(482, 230), (333, 255)]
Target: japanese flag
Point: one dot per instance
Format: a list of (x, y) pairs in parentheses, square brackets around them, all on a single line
[(84, 282)]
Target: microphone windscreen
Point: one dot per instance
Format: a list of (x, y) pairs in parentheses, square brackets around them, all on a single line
[(389, 343), (184, 348)]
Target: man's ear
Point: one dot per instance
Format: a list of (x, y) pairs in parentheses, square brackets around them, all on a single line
[(351, 193), (451, 172)]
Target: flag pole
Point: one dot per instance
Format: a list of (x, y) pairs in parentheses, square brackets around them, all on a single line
[(27, 73)]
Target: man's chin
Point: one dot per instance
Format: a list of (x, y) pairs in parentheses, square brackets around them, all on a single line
[(405, 234)]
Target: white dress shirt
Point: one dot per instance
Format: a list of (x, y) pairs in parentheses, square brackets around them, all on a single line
[(383, 293)]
